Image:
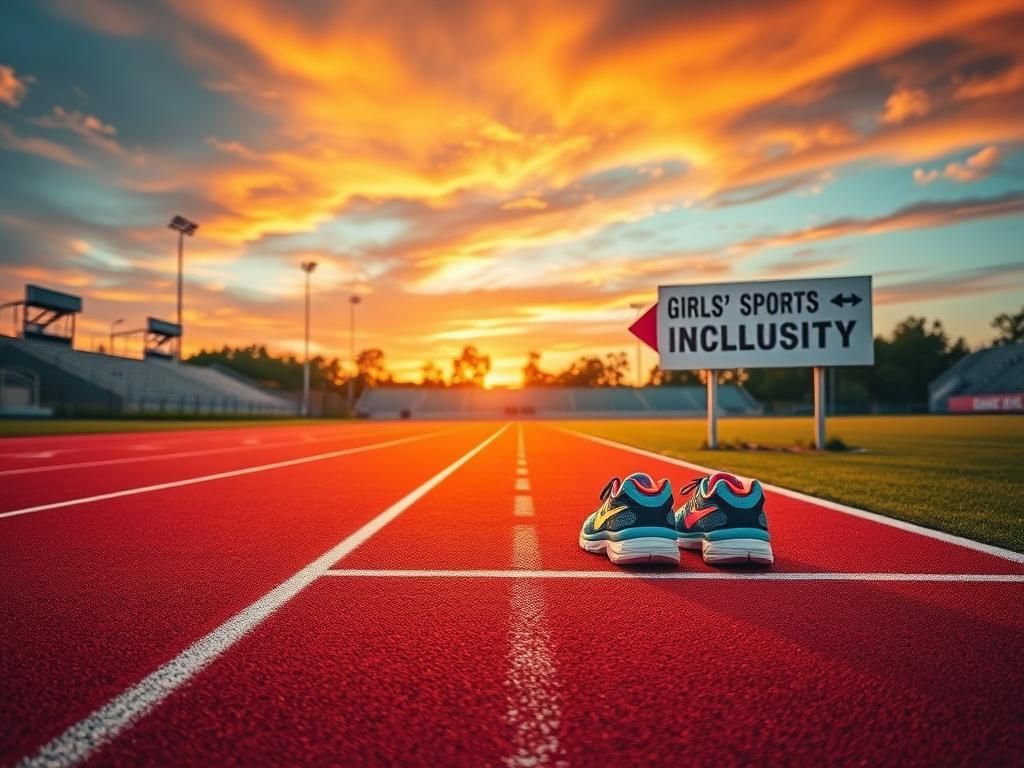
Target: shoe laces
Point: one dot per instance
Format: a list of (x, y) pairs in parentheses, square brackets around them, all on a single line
[(611, 488), (692, 485)]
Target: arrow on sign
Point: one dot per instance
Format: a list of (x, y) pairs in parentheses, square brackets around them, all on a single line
[(646, 327), (840, 301)]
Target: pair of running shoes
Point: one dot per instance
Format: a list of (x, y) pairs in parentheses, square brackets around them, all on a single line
[(638, 521)]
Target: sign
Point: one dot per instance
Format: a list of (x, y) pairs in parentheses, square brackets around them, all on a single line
[(986, 403), (771, 324)]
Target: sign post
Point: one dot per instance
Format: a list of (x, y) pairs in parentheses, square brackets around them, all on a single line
[(712, 409), (816, 323), (819, 407)]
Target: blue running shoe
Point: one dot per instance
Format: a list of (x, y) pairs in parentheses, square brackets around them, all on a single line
[(634, 523), (725, 519)]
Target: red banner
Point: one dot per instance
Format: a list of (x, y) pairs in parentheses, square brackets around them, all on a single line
[(986, 403)]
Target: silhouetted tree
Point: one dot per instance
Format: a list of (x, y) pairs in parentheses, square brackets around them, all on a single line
[(285, 372), (372, 370), (616, 370), (1010, 327), (432, 375), (533, 375), (470, 368)]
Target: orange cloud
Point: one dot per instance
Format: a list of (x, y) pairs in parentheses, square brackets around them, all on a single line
[(905, 104), (979, 165), (12, 89)]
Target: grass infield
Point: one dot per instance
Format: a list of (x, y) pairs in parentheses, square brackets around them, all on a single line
[(960, 474)]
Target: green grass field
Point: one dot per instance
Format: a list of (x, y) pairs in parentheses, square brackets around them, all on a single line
[(964, 475), (27, 427)]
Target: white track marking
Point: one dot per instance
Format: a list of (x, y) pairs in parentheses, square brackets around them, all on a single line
[(521, 472), (32, 454), (534, 694), (84, 737), (361, 573), (949, 538), (220, 475), (522, 483), (523, 506), (180, 454)]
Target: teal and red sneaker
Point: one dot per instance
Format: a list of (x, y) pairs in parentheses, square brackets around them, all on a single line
[(634, 523), (725, 519)]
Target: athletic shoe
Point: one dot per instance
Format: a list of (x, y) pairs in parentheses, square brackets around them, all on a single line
[(634, 524), (724, 518)]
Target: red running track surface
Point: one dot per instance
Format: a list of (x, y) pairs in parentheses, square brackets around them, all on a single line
[(463, 670)]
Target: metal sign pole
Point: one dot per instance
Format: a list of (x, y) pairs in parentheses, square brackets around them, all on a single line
[(819, 408), (712, 409)]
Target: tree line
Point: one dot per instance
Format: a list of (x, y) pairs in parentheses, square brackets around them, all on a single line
[(915, 353)]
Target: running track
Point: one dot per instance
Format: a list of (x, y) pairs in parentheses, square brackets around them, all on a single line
[(414, 594)]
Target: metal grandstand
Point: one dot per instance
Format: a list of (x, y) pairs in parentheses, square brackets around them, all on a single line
[(992, 371), (554, 402), (70, 381)]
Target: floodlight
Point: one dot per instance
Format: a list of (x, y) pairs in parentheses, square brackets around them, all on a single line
[(183, 225)]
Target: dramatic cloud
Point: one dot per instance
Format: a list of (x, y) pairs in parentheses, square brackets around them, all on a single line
[(905, 104), (89, 127), (32, 145), (12, 89), (520, 172), (978, 166)]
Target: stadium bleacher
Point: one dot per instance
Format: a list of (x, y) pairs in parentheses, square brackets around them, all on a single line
[(992, 371), (555, 402), (76, 381)]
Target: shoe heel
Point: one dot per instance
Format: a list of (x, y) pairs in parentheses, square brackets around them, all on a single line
[(649, 549), (738, 552)]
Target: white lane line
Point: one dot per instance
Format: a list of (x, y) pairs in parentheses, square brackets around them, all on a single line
[(33, 454), (521, 462), (521, 472), (220, 475), (949, 538), (179, 454), (84, 737), (534, 695), (520, 449), (522, 483), (523, 506), (363, 573)]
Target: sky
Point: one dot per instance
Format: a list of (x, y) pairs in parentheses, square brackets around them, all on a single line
[(508, 175)]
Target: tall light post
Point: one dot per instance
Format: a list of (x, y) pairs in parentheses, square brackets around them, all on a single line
[(183, 227), (112, 326), (307, 267), (353, 300), (638, 306)]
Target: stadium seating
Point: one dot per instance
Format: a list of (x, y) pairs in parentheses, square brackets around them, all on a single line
[(130, 385), (559, 402), (992, 371)]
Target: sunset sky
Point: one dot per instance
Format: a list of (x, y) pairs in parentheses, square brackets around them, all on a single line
[(511, 175)]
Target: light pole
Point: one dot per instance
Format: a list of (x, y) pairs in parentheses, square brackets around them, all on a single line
[(353, 300), (117, 322), (637, 305), (307, 267), (183, 227)]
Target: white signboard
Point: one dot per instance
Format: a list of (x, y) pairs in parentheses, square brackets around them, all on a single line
[(773, 324)]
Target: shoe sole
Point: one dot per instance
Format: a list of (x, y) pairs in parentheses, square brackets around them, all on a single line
[(647, 550), (731, 551)]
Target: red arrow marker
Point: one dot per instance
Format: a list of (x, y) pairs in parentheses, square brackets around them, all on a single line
[(646, 327)]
